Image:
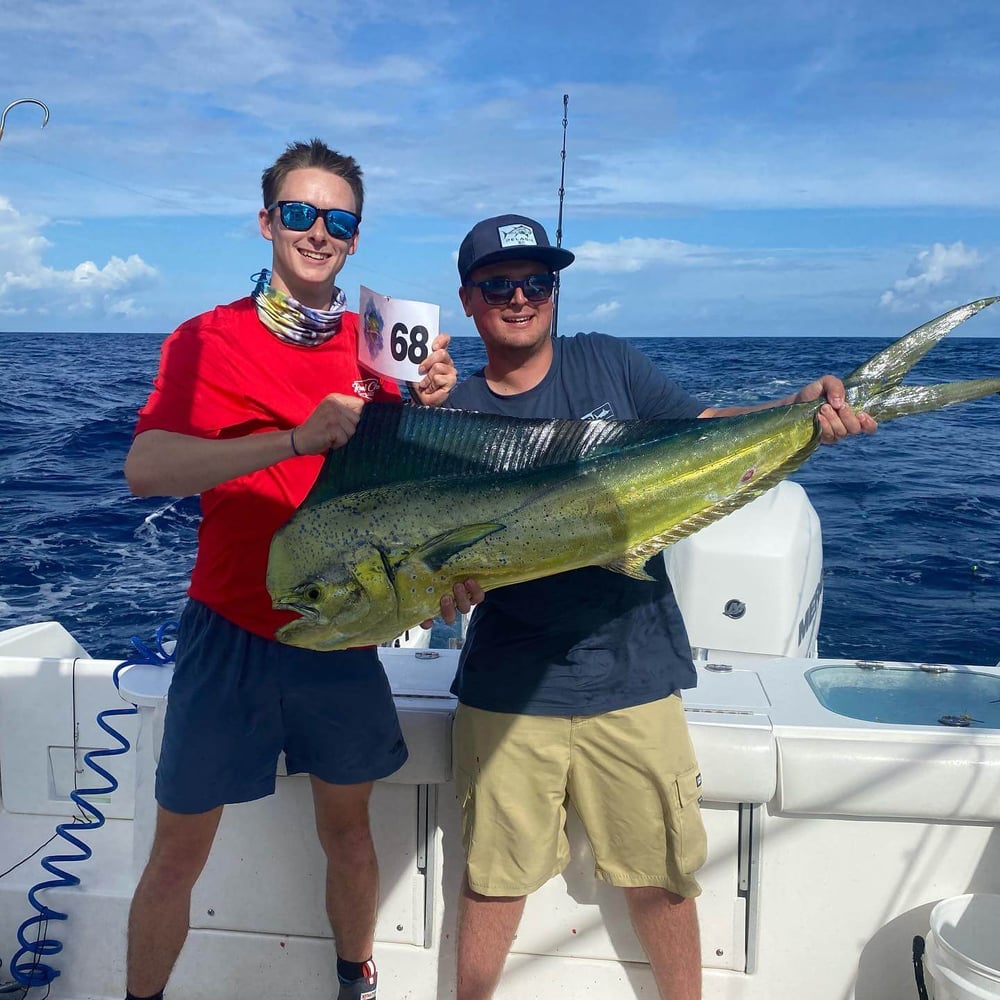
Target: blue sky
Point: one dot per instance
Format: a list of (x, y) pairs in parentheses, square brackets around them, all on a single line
[(776, 168)]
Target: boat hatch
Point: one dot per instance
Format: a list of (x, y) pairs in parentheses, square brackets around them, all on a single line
[(909, 695)]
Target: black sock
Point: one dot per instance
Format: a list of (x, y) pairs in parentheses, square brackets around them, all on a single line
[(155, 996), (350, 972)]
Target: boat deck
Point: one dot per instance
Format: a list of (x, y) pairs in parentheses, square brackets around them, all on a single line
[(831, 837)]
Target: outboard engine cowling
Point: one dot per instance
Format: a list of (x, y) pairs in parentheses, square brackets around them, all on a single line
[(752, 583)]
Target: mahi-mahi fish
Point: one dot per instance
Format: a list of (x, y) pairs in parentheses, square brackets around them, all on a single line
[(420, 499)]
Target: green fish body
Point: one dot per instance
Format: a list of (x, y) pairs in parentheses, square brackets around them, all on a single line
[(421, 499)]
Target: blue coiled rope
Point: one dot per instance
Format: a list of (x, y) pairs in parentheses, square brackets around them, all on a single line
[(25, 966)]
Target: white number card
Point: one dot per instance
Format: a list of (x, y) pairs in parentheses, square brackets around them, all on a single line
[(395, 335)]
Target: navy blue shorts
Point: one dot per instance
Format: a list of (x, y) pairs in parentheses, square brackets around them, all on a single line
[(237, 700)]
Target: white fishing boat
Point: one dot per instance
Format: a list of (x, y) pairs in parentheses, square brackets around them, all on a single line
[(843, 800)]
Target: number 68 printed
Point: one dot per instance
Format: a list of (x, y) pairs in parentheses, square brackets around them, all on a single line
[(409, 345)]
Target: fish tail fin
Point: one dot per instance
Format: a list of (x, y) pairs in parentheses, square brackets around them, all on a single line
[(902, 400), (887, 368)]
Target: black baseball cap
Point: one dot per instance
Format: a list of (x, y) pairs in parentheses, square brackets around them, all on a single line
[(509, 237)]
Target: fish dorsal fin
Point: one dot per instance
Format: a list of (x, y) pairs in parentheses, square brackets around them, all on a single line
[(395, 443)]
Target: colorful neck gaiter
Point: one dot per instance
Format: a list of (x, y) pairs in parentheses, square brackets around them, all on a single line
[(291, 321)]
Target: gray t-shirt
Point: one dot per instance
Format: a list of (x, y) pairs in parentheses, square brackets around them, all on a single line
[(589, 640)]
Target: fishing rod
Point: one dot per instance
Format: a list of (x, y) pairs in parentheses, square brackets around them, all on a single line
[(23, 100), (562, 192)]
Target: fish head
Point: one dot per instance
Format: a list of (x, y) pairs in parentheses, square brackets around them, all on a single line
[(329, 611), (343, 593)]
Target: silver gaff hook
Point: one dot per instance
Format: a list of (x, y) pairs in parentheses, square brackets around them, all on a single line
[(23, 100)]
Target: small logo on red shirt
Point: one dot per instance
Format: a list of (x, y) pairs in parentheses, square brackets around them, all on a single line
[(366, 387)]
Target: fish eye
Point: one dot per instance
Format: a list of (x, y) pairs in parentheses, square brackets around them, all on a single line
[(314, 593)]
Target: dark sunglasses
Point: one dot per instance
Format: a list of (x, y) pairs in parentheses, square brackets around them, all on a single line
[(300, 217), (499, 291)]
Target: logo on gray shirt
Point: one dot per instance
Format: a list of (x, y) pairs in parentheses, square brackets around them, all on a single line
[(603, 412)]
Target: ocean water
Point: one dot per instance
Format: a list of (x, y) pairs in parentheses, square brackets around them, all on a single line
[(911, 516)]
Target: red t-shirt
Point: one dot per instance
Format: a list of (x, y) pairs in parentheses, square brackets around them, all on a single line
[(224, 375)]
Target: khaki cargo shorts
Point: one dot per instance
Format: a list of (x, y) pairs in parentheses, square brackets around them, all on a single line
[(631, 775)]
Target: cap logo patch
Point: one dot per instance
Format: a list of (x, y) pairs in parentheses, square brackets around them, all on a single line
[(517, 235)]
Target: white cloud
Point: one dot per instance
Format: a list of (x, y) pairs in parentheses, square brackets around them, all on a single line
[(930, 269), (28, 285), (605, 309), (635, 253)]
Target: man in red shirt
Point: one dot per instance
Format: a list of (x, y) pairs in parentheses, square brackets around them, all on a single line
[(248, 399)]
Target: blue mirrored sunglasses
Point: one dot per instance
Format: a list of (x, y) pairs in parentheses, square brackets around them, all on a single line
[(499, 291), (300, 217)]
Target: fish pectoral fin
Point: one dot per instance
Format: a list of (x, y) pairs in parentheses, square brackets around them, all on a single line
[(375, 577), (438, 550), (632, 563)]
